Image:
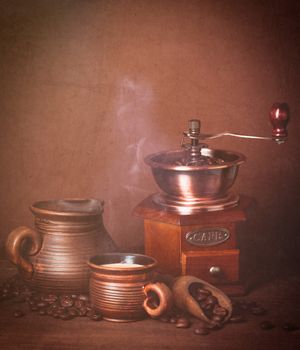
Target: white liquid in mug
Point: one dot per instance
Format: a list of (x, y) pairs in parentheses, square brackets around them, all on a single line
[(122, 265)]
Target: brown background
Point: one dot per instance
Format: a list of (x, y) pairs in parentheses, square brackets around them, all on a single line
[(88, 88)]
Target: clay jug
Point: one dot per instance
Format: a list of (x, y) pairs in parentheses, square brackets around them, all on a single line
[(54, 255)]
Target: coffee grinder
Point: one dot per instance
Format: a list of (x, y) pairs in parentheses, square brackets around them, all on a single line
[(190, 226)]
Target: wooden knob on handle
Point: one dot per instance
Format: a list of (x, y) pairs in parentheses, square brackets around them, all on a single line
[(279, 117)]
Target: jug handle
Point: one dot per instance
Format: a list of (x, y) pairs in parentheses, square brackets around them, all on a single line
[(14, 244), (164, 295)]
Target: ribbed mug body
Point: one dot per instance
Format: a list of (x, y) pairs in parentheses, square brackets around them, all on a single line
[(118, 293)]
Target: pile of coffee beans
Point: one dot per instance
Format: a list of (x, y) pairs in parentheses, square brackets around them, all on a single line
[(182, 320), (242, 310), (60, 306), (200, 161), (210, 306), (208, 303), (179, 319), (68, 306)]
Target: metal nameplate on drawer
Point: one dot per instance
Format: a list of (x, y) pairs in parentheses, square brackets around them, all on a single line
[(207, 236)]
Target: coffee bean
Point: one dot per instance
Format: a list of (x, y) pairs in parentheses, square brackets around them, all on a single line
[(217, 318), (201, 331), (49, 298), (290, 327), (31, 301), (26, 291), (73, 311), (199, 297), (6, 296), (211, 299), (241, 304), (204, 291), (236, 319), (164, 318), (257, 310), (16, 293), (82, 311), (183, 322), (55, 305), (41, 304), (19, 299), (64, 315), (173, 319), (36, 298), (19, 313), (79, 304), (49, 311), (251, 303), (83, 297), (208, 307), (42, 312), (62, 309), (193, 289), (33, 308), (95, 316), (219, 310), (66, 301), (215, 326), (266, 325), (89, 313)]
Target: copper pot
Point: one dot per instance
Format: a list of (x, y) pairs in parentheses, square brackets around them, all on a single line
[(54, 256), (121, 288)]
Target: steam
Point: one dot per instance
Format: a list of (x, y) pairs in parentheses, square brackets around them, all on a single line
[(137, 135), (136, 123)]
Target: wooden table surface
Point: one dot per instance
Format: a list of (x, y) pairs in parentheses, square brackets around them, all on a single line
[(280, 296)]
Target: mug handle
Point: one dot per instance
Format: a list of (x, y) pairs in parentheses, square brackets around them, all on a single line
[(13, 247), (164, 295)]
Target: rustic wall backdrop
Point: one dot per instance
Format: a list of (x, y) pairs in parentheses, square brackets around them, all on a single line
[(88, 88)]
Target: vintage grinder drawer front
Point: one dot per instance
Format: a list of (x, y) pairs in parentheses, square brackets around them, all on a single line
[(212, 266)]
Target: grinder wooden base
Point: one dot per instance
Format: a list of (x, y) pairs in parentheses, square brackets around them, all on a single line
[(202, 244)]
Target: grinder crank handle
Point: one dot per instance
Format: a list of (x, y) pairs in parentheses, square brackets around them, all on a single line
[(13, 247), (279, 117)]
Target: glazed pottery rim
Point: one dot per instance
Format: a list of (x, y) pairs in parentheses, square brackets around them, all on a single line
[(150, 160), (47, 207), (105, 267)]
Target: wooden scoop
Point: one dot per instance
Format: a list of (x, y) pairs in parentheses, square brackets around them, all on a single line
[(183, 299)]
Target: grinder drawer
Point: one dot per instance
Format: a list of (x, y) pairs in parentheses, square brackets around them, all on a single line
[(212, 266)]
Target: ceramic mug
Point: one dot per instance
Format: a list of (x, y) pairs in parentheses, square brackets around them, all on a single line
[(121, 287)]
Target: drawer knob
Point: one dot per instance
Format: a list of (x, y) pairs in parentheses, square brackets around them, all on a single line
[(215, 271)]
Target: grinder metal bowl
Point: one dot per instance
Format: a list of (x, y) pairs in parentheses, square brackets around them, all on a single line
[(190, 188)]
